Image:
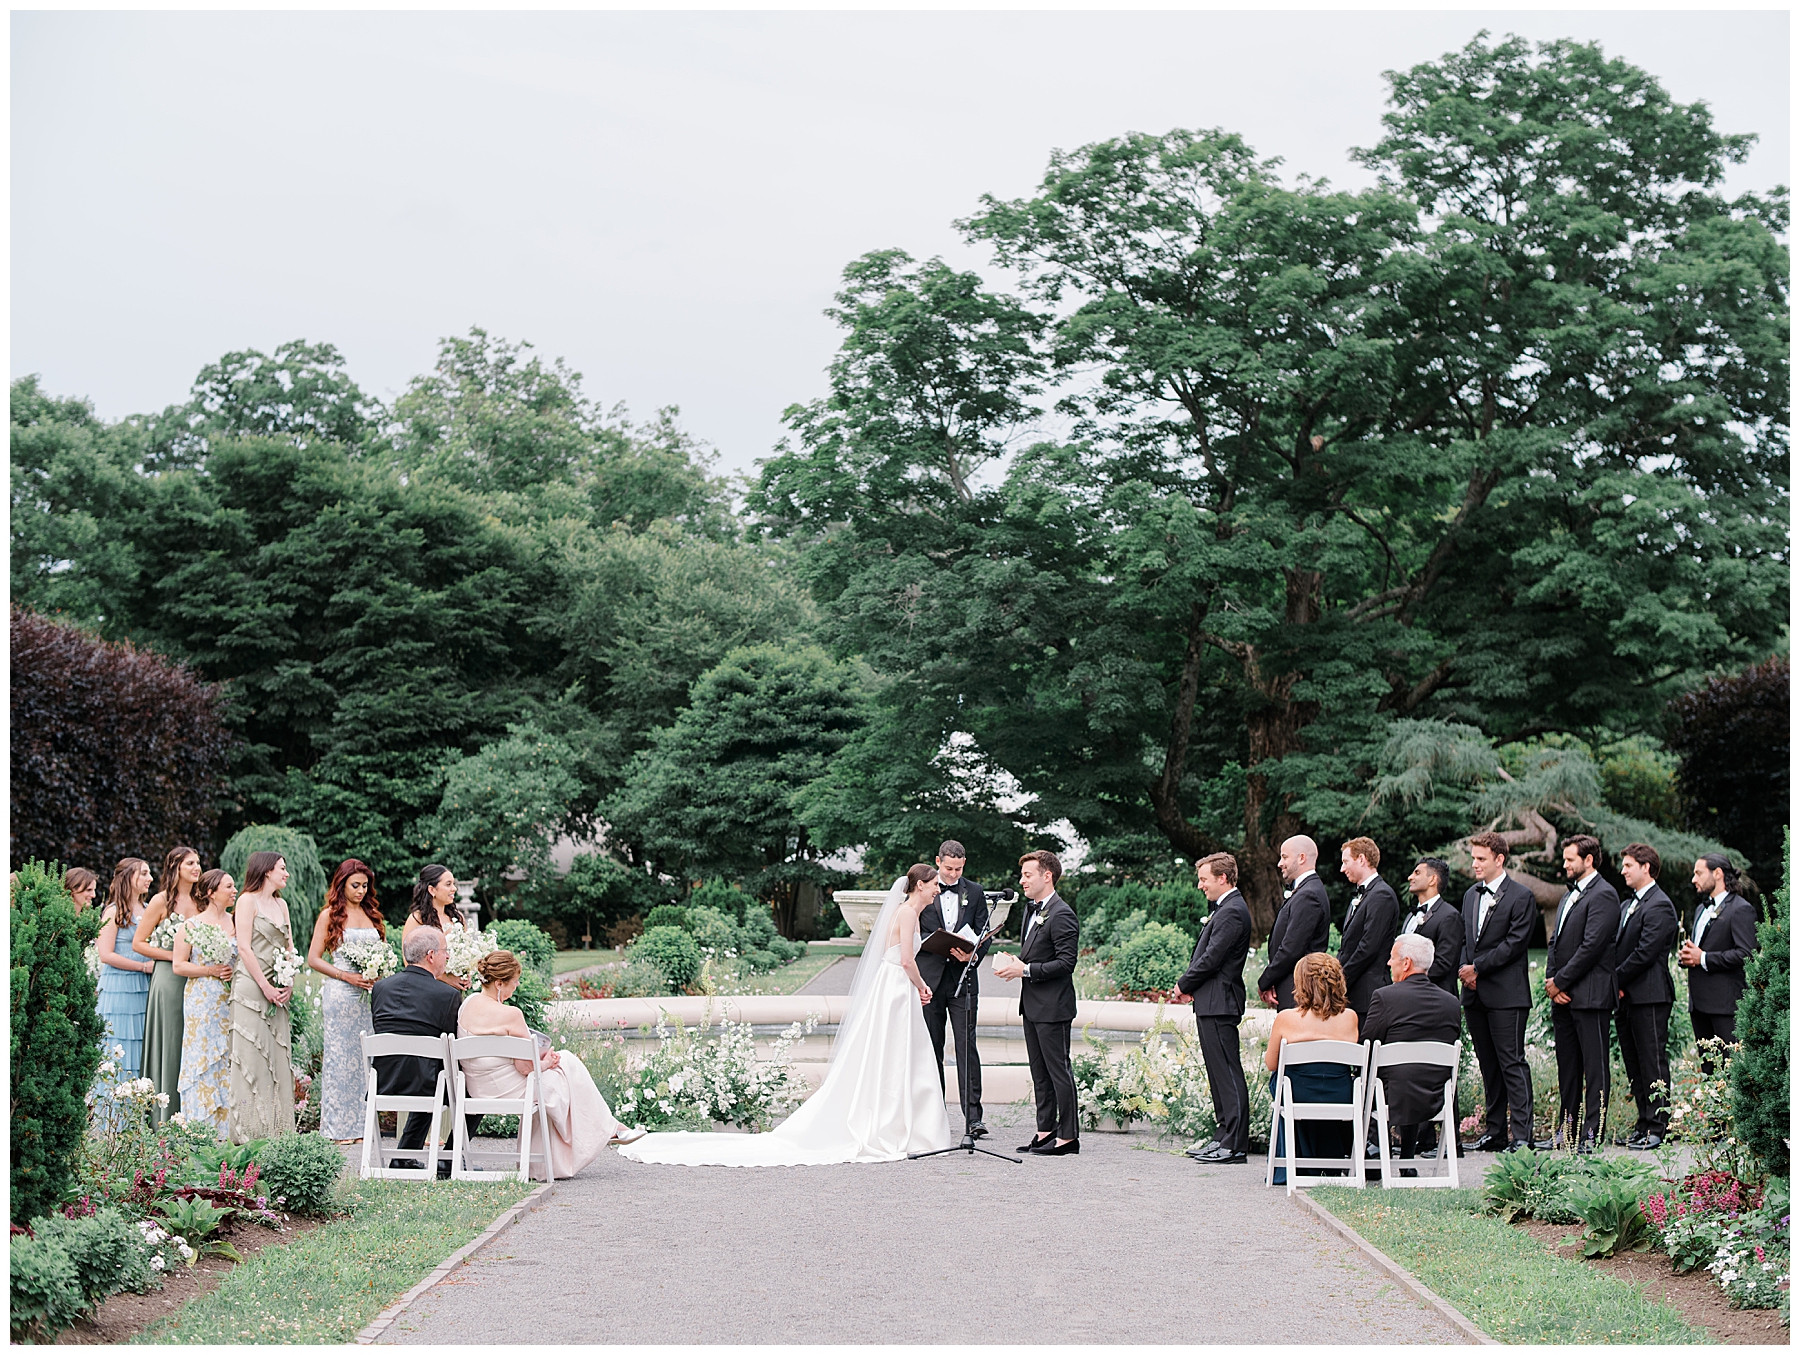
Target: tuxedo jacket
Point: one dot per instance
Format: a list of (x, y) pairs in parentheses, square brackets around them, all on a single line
[(1498, 950), (963, 902), (1583, 951), (1729, 940), (1215, 974), (1369, 931), (1047, 993), (1414, 1009), (1443, 927), (1646, 938), (412, 1002), (1302, 927)]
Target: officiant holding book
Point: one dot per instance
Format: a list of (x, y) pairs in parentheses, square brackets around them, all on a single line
[(961, 905)]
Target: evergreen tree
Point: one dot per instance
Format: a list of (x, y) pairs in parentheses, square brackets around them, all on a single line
[(1760, 1086)]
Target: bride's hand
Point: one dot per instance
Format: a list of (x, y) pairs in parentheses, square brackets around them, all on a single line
[(924, 995)]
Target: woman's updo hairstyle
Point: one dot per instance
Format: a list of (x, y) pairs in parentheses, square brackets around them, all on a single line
[(498, 966), (1319, 985), (204, 886), (422, 907), (918, 875)]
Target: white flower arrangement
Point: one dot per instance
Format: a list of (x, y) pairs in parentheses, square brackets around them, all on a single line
[(209, 942), (467, 948), (691, 1079), (372, 957), (162, 936), (286, 966), (90, 956)]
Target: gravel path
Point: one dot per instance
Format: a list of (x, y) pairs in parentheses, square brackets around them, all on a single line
[(1128, 1243)]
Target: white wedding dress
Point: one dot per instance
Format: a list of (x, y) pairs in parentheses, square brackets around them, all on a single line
[(879, 1101)]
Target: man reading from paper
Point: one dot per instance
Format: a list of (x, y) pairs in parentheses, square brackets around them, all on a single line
[(960, 907)]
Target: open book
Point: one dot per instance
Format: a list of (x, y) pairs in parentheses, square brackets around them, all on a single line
[(942, 942)]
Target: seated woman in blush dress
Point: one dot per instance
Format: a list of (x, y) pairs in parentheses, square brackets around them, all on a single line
[(581, 1123), (1322, 1013)]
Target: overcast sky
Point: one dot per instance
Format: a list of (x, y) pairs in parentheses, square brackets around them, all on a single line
[(666, 200)]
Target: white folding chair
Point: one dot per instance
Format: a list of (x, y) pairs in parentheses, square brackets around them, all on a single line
[(526, 1105), (1288, 1113), (375, 1153), (1415, 1052)]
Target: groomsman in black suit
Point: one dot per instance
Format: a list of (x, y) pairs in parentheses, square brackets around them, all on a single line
[(1215, 976), (1647, 927), (1412, 1007), (960, 902), (416, 1001), (1436, 920), (1497, 915), (1724, 937), (1579, 976), (1302, 926), (1370, 925), (1049, 940)]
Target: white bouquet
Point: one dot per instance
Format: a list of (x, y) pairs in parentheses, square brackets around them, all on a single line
[(466, 951), (91, 957), (287, 964), (163, 936), (373, 958), (208, 942)]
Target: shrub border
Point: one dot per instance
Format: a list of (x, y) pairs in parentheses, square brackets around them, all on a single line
[(388, 1315), (1472, 1334)]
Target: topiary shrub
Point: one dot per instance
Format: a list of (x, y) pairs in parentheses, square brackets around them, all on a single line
[(531, 943), (46, 1290), (300, 1172), (305, 891), (727, 898), (56, 1034), (113, 748), (1153, 958), (668, 915), (1760, 1089), (673, 951)]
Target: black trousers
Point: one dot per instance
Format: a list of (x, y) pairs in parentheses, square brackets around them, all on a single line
[(959, 1014), (1225, 1080), (1583, 1066), (418, 1124), (1644, 1045), (1714, 1026), (1047, 1049), (1498, 1034)]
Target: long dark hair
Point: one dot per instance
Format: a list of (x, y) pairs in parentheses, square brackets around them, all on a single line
[(257, 869), (337, 907), (918, 875), (118, 893), (422, 907), (171, 872)]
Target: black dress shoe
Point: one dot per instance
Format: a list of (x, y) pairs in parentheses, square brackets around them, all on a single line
[(1202, 1149), (1222, 1158), (1648, 1142), (405, 1164), (1056, 1149), (1032, 1147), (443, 1171), (1488, 1143), (977, 1130), (1409, 1171)]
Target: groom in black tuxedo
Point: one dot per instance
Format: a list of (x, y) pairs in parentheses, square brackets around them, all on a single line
[(1049, 939), (960, 902)]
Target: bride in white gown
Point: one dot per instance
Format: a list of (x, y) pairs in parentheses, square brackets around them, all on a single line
[(880, 1099)]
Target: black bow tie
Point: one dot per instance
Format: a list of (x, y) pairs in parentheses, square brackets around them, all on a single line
[(1485, 889)]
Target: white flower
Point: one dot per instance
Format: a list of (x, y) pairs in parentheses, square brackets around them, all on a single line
[(121, 1091), (118, 1051), (107, 1068), (156, 1263), (162, 1098)]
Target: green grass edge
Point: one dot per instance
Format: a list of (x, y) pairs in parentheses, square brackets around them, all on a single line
[(1499, 1277), (324, 1287)]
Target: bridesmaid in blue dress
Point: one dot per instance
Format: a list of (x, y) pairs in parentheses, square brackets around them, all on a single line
[(125, 974)]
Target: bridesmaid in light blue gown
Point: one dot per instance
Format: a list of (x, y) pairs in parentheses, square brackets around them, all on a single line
[(124, 974)]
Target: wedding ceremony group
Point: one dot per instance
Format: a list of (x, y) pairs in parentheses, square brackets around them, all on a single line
[(1222, 662)]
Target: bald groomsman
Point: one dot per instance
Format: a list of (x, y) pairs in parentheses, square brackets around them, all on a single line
[(1302, 925)]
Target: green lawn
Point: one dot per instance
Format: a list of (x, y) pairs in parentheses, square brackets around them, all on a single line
[(1499, 1277), (567, 960), (325, 1286)]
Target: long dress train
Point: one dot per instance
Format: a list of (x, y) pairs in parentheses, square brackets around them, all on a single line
[(879, 1102), (205, 1079), (581, 1123), (262, 1069), (347, 1017)]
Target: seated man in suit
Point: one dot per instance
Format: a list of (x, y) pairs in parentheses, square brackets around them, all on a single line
[(414, 1002), (1413, 1008)]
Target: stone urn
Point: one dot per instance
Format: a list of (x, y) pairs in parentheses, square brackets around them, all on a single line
[(860, 907)]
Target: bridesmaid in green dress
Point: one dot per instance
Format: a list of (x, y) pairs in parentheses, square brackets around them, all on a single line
[(262, 1070), (165, 1022)]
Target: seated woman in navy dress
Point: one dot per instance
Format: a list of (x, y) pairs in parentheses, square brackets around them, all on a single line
[(1322, 1013)]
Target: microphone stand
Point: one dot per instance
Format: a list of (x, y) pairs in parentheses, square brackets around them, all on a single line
[(968, 1140)]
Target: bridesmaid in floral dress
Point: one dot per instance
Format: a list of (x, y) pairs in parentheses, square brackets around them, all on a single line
[(205, 1080), (351, 913), (125, 974), (262, 1066)]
